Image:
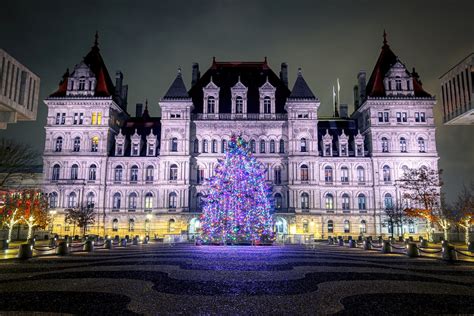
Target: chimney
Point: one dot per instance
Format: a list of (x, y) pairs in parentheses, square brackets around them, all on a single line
[(362, 86), (356, 97), (284, 73), (196, 74), (139, 110), (343, 111)]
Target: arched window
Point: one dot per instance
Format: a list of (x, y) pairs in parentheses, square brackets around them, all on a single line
[(92, 172), (386, 173), (388, 201), (74, 172), (277, 175), (305, 201), (272, 146), (77, 144), (421, 144), (328, 174), (196, 146), (71, 200), (223, 146), (118, 171), (90, 200), (148, 201), (403, 145), (384, 145), (134, 173), (303, 145), (347, 226), (149, 173), (55, 173), (174, 172), (174, 144), (304, 173), (115, 225), (329, 201), (214, 146), (305, 226), (132, 201), (262, 146), (344, 175), (346, 201), (171, 225), (172, 199), (361, 201), (205, 146), (278, 201), (330, 226), (398, 84), (252, 146), (117, 201), (211, 104), (131, 225), (363, 227), (282, 146), (267, 105), (53, 200), (239, 105), (95, 144), (59, 144), (360, 174)]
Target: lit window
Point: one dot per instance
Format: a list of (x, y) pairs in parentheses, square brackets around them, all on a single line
[(347, 226), (115, 225), (329, 201), (94, 118), (95, 144), (148, 201), (330, 227), (363, 227), (171, 225)]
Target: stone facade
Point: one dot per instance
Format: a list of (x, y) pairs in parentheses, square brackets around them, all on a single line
[(145, 175)]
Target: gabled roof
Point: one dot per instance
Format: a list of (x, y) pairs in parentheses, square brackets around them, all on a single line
[(387, 58), (62, 86), (301, 89), (177, 90), (253, 75)]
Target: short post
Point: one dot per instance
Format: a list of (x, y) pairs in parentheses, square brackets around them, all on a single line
[(25, 251), (380, 239), (340, 242), (423, 243), (412, 250), (117, 238), (52, 242), (135, 240), (31, 241), (448, 252), (367, 244), (470, 246), (330, 241), (352, 243), (359, 239), (123, 242), (400, 239), (127, 237), (145, 240), (63, 248), (386, 246), (350, 237), (88, 246), (109, 244)]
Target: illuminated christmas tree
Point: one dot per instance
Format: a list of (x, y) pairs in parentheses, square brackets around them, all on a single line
[(238, 204)]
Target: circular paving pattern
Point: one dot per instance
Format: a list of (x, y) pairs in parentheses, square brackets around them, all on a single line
[(163, 279)]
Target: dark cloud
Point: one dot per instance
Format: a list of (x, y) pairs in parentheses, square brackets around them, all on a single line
[(148, 40)]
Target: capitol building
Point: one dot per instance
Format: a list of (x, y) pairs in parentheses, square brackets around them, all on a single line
[(145, 175)]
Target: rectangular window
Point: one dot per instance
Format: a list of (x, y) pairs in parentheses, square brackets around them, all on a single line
[(278, 176), (380, 114), (417, 117), (76, 118), (119, 149), (99, 118), (385, 117), (58, 118), (399, 117), (94, 118), (151, 149), (422, 117), (404, 117), (81, 118), (63, 118), (200, 176)]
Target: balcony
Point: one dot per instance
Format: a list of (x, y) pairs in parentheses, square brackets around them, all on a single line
[(239, 117)]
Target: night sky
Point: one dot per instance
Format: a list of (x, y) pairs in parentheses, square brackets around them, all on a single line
[(149, 40)]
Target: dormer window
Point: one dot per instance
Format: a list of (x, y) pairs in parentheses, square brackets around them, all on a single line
[(211, 104), (82, 81), (135, 149), (239, 105), (398, 81), (267, 98), (398, 84), (211, 98), (82, 84), (267, 105)]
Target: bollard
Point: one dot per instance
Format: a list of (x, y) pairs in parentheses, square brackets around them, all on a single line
[(5, 244), (359, 239), (31, 241), (340, 242), (400, 239), (330, 241), (123, 242), (380, 238), (88, 246), (448, 253), (350, 237), (145, 240), (407, 241), (108, 244), (25, 251), (135, 241), (117, 238), (412, 250), (386, 247), (52, 242), (63, 248), (423, 243), (127, 237), (410, 238), (470, 246), (367, 244), (352, 243)]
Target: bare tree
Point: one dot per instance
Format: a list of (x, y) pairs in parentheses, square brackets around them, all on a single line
[(395, 215), (82, 216), (15, 157), (464, 207)]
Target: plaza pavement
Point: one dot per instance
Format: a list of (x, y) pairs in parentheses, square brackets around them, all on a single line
[(160, 279)]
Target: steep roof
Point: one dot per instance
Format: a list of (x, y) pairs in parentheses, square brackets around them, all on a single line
[(253, 75), (387, 58), (177, 90), (301, 89), (62, 86)]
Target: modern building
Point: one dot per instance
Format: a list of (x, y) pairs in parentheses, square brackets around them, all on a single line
[(457, 89), (147, 175), (19, 91)]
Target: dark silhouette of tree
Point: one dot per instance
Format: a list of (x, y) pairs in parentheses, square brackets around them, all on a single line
[(82, 216), (14, 158)]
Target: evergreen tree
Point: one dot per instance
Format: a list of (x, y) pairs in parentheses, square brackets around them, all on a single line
[(238, 204)]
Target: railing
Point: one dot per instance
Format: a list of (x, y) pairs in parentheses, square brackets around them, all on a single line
[(239, 117)]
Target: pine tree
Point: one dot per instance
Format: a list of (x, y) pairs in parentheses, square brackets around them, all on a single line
[(238, 203)]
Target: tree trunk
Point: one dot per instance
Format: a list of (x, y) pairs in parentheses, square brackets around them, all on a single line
[(445, 230), (467, 232), (30, 231), (10, 231)]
